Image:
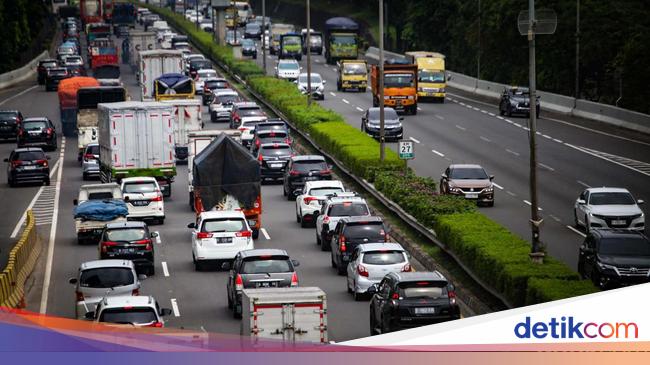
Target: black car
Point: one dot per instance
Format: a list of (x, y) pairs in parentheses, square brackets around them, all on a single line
[(411, 299), (9, 122), (37, 132), (273, 159), (129, 241), (211, 84), (248, 48), (43, 66), (121, 30), (614, 258), (261, 268), (516, 100), (197, 65), (253, 30), (349, 233), (54, 76), (370, 123), (304, 168), (27, 165), (75, 70), (268, 136)]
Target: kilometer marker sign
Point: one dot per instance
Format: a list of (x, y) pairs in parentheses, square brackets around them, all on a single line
[(406, 150)]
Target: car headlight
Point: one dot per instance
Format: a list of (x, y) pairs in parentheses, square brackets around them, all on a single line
[(489, 189), (410, 97), (321, 88), (606, 266), (597, 216), (386, 97), (455, 190), (442, 90)]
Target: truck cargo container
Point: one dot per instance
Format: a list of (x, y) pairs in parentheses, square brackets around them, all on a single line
[(138, 42), (187, 118), (90, 11), (154, 64), (87, 100)]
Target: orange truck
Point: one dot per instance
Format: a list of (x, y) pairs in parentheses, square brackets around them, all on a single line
[(400, 87)]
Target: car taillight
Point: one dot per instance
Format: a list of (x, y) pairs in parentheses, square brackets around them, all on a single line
[(107, 244), (244, 234), (362, 270), (326, 220), (239, 283), (325, 172), (158, 198), (16, 163), (452, 297), (135, 292), (406, 268), (146, 242), (49, 131), (342, 243), (294, 173), (309, 199), (80, 296), (88, 157), (260, 158), (294, 279), (42, 162), (202, 235), (395, 296)]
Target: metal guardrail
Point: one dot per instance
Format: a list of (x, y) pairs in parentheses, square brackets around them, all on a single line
[(13, 77), (22, 259)]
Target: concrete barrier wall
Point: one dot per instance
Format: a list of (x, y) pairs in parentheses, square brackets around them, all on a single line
[(14, 77)]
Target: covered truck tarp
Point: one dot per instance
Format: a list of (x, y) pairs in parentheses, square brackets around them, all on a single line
[(341, 23), (173, 83), (225, 167), (68, 90), (101, 210), (89, 97)]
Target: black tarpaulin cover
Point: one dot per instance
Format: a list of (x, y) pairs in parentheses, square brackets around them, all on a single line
[(223, 168)]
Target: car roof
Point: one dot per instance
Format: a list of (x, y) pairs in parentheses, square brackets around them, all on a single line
[(95, 264), (312, 74), (35, 119), (263, 252), (607, 190), (221, 92), (618, 233), (206, 70), (308, 158), (417, 276), (215, 79), (127, 224), (94, 144), (376, 108), (288, 61), (275, 145), (222, 214), (361, 219), (139, 179), (246, 104), (29, 149), (128, 300), (392, 246), (323, 184), (465, 166)]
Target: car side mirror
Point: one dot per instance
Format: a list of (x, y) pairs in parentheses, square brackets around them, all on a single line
[(373, 289), (581, 201), (142, 276), (448, 77), (276, 67), (165, 312), (444, 176), (75, 201), (295, 263), (48, 157), (640, 201), (6, 160), (226, 266), (297, 192), (491, 177), (89, 315), (73, 281), (153, 234), (301, 67), (401, 119), (324, 82), (191, 225)]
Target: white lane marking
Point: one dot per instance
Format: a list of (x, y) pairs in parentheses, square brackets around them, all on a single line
[(469, 106), (529, 203), (485, 139), (461, 127), (484, 111), (500, 117), (177, 313), (546, 166), (492, 114), (583, 184), (158, 239), (359, 109), (596, 131), (414, 140), (19, 94), (345, 101), (50, 245), (512, 152), (331, 93), (576, 231), (165, 269), (461, 103), (438, 153), (557, 140), (420, 109), (475, 108), (601, 155), (526, 128), (203, 329), (440, 117), (510, 193), (547, 136), (554, 217), (265, 233), (498, 186), (334, 69)]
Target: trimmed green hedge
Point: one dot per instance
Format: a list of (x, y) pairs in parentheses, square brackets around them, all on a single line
[(495, 254)]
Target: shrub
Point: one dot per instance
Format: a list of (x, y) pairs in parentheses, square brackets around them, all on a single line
[(546, 290)]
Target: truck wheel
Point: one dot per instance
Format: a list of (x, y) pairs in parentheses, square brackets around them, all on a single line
[(152, 270), (229, 301), (363, 89), (47, 181), (303, 224), (256, 233)]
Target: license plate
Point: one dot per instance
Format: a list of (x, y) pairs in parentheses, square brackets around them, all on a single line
[(266, 284), (30, 167), (398, 102), (139, 203), (127, 250), (618, 222), (276, 165), (224, 239), (34, 133), (471, 196), (425, 310)]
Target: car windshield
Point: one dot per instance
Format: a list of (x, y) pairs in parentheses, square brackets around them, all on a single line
[(622, 246), (291, 41), (389, 114), (306, 166), (224, 225), (611, 198), (431, 76), (125, 234), (106, 277), (315, 78), (348, 209), (248, 43), (373, 231), (216, 84), (34, 125), (343, 40), (315, 40), (288, 66), (398, 80), (92, 150), (521, 92), (262, 265), (29, 156), (354, 69), (276, 151), (49, 64), (468, 174), (140, 187), (423, 289), (128, 315), (324, 191), (384, 257)]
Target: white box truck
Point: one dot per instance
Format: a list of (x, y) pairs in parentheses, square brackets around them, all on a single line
[(187, 118), (137, 139), (293, 315), (140, 41), (155, 63)]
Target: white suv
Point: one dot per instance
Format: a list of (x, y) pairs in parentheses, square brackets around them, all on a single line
[(137, 311), (144, 198), (608, 208), (287, 70), (310, 201), (336, 207), (370, 262), (219, 236)]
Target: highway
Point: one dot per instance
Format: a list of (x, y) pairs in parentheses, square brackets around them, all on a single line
[(466, 130)]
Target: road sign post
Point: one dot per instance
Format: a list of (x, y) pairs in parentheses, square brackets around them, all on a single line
[(406, 152)]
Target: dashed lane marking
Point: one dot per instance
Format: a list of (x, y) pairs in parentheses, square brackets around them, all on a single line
[(498, 186), (512, 152), (510, 193), (420, 109), (583, 184), (576, 231), (546, 166), (414, 140), (177, 313), (554, 218), (265, 233), (165, 269), (345, 101), (440, 117), (438, 153), (485, 139), (529, 203), (331, 93), (492, 114), (359, 109), (158, 239), (461, 127)]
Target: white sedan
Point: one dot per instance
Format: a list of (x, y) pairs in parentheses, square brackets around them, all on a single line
[(201, 76), (608, 208), (310, 200)]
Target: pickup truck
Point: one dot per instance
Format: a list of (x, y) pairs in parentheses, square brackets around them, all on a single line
[(110, 207)]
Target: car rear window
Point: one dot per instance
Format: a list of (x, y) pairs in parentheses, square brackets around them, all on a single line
[(216, 84), (125, 234), (373, 231), (263, 265), (49, 64), (53, 71), (384, 257), (206, 74), (250, 112), (93, 150), (228, 99), (106, 277), (29, 156), (140, 187), (625, 247), (348, 209), (324, 191), (34, 125), (100, 195), (272, 134), (306, 166), (423, 289), (276, 151), (224, 225), (130, 315)]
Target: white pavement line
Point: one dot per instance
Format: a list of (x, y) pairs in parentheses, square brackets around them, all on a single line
[(334, 69), (345, 101), (526, 128), (492, 114), (484, 111), (177, 313), (420, 109), (554, 217), (547, 136), (19, 94), (50, 245), (607, 159), (359, 109), (512, 152), (265, 233), (469, 106), (500, 117), (485, 139), (414, 140), (583, 184), (475, 108), (596, 131), (498, 186), (331, 93), (510, 193), (440, 117), (165, 269), (576, 231), (529, 203), (158, 239), (438, 153), (557, 140), (461, 103), (546, 166), (461, 127)]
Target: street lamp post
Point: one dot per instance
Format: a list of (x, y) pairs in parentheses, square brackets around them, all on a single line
[(308, 55), (577, 81), (264, 35), (382, 152), (478, 55), (197, 14)]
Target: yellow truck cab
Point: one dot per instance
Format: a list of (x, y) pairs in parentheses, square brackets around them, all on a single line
[(352, 74), (432, 81)]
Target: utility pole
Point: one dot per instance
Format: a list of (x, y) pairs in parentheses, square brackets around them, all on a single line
[(196, 4), (478, 56), (382, 153), (308, 56), (577, 82), (264, 36)]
